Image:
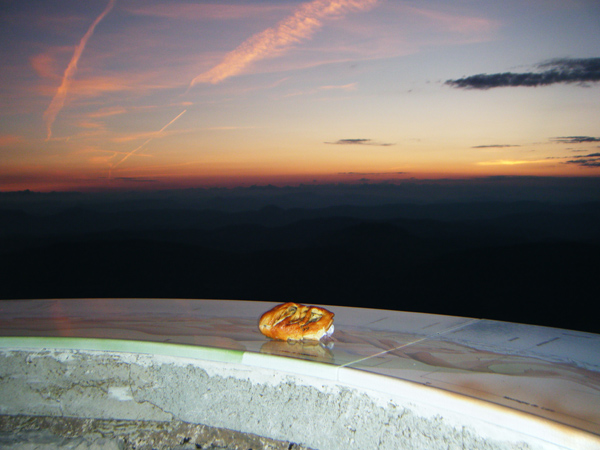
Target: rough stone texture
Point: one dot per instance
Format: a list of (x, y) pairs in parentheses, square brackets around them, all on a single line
[(27, 432), (73, 384), (113, 386)]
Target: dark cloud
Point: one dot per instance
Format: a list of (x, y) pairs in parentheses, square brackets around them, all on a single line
[(564, 70), (358, 142), (591, 160), (371, 173), (136, 180), (350, 141), (495, 146), (575, 139)]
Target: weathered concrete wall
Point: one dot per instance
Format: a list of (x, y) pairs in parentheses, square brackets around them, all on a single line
[(313, 412), (67, 433)]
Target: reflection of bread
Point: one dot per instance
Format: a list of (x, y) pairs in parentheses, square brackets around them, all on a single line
[(311, 350), (296, 322)]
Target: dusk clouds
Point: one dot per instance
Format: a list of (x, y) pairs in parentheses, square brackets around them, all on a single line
[(99, 95), (152, 137), (299, 26), (591, 160), (359, 142), (575, 139), (565, 70), (495, 146), (59, 98)]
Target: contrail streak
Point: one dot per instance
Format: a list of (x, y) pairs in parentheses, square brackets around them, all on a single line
[(59, 98), (157, 134), (293, 29)]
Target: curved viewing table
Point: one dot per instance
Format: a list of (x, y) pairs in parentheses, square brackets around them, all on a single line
[(386, 379)]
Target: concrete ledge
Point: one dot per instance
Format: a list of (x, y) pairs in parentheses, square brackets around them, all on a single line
[(312, 404)]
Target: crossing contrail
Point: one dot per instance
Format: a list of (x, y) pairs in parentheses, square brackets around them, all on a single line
[(295, 28), (157, 134), (59, 98)]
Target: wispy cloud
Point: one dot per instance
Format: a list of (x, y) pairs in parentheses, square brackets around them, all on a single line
[(59, 98), (43, 65), (128, 82), (359, 142), (371, 173), (510, 162), (451, 22), (100, 156), (591, 160), (565, 70), (327, 88), (136, 180), (9, 139), (210, 11), (495, 146), (344, 87), (130, 137), (575, 139), (107, 112), (228, 128), (272, 41), (154, 136), (90, 125)]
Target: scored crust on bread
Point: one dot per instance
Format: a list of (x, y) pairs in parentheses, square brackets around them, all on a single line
[(293, 321)]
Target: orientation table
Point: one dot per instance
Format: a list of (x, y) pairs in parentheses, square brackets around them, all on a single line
[(544, 381)]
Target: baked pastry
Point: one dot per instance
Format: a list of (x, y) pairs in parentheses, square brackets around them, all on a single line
[(292, 321)]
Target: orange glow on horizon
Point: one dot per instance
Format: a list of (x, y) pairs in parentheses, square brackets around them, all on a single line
[(143, 180)]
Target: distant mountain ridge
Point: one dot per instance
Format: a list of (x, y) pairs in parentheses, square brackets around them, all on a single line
[(87, 219)]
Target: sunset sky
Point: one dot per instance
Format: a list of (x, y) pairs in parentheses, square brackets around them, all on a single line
[(140, 94)]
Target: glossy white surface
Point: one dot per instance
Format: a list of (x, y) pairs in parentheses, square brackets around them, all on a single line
[(548, 373)]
